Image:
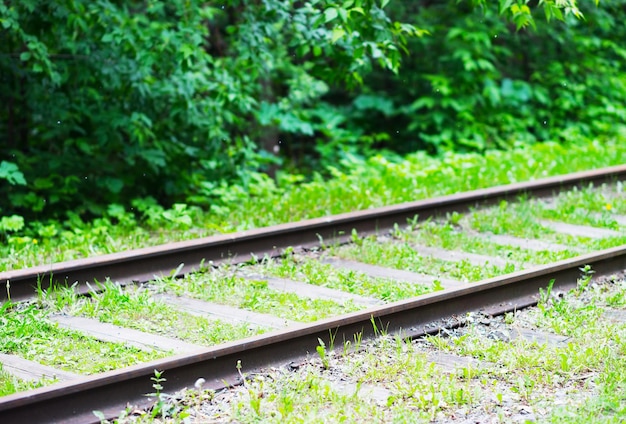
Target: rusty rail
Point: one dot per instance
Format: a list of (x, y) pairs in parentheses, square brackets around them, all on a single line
[(73, 402), (142, 265), (109, 392)]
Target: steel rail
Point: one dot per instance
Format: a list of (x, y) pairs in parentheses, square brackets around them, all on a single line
[(74, 402), (142, 265)]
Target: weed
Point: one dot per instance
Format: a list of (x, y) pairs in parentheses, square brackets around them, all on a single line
[(323, 354), (600, 205), (164, 407), (437, 286), (524, 386), (402, 255), (347, 344), (10, 384), (321, 240), (499, 398), (537, 376), (255, 393), (438, 342), (396, 232), (358, 340), (380, 330), (158, 407), (288, 251), (447, 236), (241, 375), (225, 287), (100, 415), (314, 272), (62, 348), (412, 223), (544, 296), (355, 237), (135, 307), (454, 218), (176, 272), (585, 279)]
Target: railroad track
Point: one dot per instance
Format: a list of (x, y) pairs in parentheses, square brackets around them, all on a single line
[(75, 399)]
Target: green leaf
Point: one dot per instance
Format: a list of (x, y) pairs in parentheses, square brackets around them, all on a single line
[(114, 185), (337, 34), (99, 415), (44, 183), (10, 172), (11, 223), (330, 14), (343, 14), (373, 102), (505, 5)]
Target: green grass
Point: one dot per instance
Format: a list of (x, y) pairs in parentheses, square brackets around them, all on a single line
[(10, 384), (311, 271), (534, 372), (580, 380), (519, 219), (375, 182), (135, 308), (26, 331), (254, 295), (402, 255), (451, 237), (303, 398), (616, 299), (417, 392), (593, 206), (522, 219)]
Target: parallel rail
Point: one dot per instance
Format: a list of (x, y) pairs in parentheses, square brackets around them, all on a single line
[(110, 392), (142, 265), (75, 401)]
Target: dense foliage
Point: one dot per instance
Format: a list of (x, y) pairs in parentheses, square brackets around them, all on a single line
[(110, 101), (113, 103), (477, 82)]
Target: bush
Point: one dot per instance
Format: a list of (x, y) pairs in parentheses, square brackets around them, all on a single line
[(109, 102)]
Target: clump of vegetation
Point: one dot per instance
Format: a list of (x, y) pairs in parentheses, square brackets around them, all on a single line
[(136, 308), (360, 184), (26, 331), (312, 271), (10, 384)]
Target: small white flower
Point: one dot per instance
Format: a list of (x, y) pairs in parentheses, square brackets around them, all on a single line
[(199, 383)]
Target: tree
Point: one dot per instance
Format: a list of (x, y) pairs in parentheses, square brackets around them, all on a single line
[(113, 100), (108, 101)]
